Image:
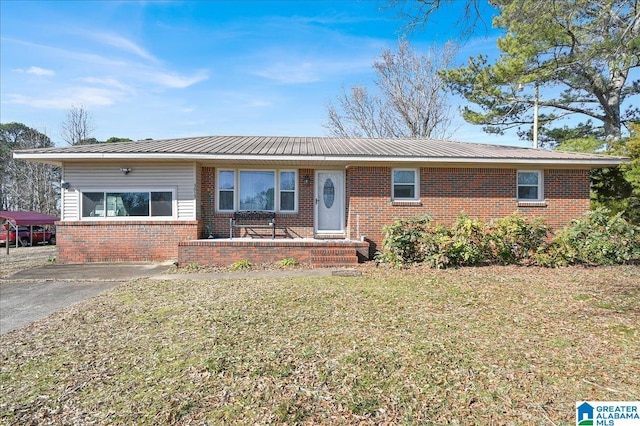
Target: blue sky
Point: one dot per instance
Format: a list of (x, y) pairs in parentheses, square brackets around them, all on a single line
[(164, 69)]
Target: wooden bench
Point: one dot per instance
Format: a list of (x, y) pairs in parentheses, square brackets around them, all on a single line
[(253, 219)]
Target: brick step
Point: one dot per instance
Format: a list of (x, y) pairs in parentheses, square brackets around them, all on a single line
[(333, 251), (334, 260)]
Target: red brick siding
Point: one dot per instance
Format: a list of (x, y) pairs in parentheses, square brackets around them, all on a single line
[(207, 201), (288, 225), (118, 241), (446, 192), (315, 253)]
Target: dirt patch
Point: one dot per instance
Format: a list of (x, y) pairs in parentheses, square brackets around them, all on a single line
[(22, 258)]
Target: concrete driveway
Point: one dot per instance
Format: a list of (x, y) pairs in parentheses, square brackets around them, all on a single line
[(35, 293)]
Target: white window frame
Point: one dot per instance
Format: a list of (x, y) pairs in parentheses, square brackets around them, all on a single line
[(416, 184), (540, 186), (174, 204), (296, 190), (236, 189)]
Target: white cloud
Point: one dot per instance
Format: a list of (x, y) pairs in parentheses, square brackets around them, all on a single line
[(88, 96), (39, 71), (109, 82), (315, 70), (286, 73), (59, 53), (123, 44), (175, 81)]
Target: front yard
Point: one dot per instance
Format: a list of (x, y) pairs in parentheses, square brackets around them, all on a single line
[(494, 345)]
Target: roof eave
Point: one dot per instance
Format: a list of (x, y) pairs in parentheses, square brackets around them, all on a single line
[(59, 158)]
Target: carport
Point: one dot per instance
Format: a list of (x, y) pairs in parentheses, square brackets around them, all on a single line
[(11, 220)]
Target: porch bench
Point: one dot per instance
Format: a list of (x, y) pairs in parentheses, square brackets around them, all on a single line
[(253, 219)]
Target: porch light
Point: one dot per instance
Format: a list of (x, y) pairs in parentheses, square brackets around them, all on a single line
[(125, 170), (306, 180)]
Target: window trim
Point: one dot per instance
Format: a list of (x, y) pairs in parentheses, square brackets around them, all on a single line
[(540, 186), (296, 190), (416, 184), (174, 203), (236, 189)]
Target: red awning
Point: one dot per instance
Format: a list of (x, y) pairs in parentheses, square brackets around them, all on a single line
[(28, 218)]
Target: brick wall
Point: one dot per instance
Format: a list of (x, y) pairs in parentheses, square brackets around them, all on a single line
[(315, 253), (446, 192), (289, 225), (119, 241)]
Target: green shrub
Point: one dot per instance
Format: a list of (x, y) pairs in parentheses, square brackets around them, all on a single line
[(416, 240), (468, 243), (404, 241), (241, 264), (552, 254), (515, 240), (289, 261), (597, 238), (436, 247), (192, 267)]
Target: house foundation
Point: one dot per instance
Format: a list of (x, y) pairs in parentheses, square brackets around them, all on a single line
[(316, 253)]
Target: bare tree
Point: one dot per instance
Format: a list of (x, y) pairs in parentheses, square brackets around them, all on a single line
[(409, 101), (78, 126), (26, 185), (417, 14)]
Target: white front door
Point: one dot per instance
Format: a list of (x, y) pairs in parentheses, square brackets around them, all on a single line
[(330, 201)]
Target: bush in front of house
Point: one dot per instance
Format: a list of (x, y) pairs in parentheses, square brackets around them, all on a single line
[(516, 240), (598, 238), (407, 241), (416, 240), (464, 244)]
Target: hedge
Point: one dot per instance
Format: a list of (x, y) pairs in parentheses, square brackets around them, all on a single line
[(597, 238)]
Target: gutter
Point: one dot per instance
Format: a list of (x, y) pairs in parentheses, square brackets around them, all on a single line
[(58, 158)]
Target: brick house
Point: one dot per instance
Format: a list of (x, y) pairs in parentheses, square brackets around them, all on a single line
[(173, 199)]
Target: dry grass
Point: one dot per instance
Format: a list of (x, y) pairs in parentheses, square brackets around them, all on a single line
[(20, 258), (498, 345)]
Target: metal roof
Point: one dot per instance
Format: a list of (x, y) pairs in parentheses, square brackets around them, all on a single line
[(315, 150), (28, 218)]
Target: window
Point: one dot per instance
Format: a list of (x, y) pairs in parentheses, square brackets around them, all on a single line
[(405, 184), (118, 204), (287, 191), (257, 190), (271, 190), (226, 187), (530, 186)]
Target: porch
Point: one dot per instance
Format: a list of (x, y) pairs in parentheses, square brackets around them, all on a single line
[(314, 252)]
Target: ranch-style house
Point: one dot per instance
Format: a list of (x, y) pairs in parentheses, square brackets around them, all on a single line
[(320, 200)]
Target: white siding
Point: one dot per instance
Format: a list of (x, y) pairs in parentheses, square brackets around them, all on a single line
[(81, 177)]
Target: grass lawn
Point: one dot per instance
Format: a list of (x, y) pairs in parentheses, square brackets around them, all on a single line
[(495, 345)]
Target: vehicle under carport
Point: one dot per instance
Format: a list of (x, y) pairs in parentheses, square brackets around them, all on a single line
[(22, 218)]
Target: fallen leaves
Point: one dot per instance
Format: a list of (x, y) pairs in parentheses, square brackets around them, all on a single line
[(475, 345)]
